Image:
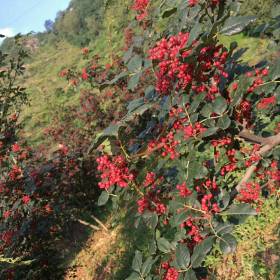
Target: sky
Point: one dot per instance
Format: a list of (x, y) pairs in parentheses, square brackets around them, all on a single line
[(23, 16)]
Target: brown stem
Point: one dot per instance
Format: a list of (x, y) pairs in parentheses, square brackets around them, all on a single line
[(247, 135), (268, 144), (88, 224), (99, 222)]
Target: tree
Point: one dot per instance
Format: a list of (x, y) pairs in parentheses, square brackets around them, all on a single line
[(49, 25)]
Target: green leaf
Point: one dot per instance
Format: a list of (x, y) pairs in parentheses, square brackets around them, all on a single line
[(133, 81), (134, 104), (235, 25), (168, 13), (195, 32), (152, 247), (207, 110), (181, 217), (243, 84), (190, 275), (137, 261), (241, 209), (224, 228), (210, 131), (201, 250), (196, 102), (228, 243), (220, 105), (138, 112), (275, 12), (164, 245), (135, 63), (182, 256), (103, 198), (150, 92), (151, 219), (174, 205), (117, 78), (112, 130), (147, 266), (224, 122), (274, 72), (133, 276)]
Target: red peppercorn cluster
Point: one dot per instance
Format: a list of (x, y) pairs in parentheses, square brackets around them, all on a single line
[(166, 144), (244, 110), (170, 67), (151, 203), (15, 173), (143, 204), (7, 237), (171, 274), (26, 199), (140, 6), (63, 73), (250, 193), (274, 172), (114, 172), (85, 51), (230, 167), (258, 74), (193, 231), (193, 130), (184, 191), (206, 204), (170, 55), (150, 179), (221, 142), (193, 3)]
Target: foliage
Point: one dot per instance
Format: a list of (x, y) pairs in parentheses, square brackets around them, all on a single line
[(39, 197), (81, 21), (191, 143), (260, 8), (186, 148)]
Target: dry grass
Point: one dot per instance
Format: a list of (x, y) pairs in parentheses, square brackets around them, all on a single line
[(87, 264)]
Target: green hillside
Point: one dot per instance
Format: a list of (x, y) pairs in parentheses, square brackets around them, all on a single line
[(50, 93)]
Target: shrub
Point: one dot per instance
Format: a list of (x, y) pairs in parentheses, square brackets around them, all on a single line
[(197, 151)]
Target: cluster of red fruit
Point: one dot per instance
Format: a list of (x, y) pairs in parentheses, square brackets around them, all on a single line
[(173, 68), (167, 145), (171, 273), (114, 172), (250, 193), (244, 111), (140, 6)]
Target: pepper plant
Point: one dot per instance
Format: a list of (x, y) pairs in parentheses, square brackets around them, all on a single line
[(199, 151)]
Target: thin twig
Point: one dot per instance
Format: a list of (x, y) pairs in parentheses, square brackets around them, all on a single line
[(272, 142)]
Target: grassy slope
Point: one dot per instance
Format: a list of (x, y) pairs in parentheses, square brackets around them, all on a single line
[(41, 82), (42, 78)]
